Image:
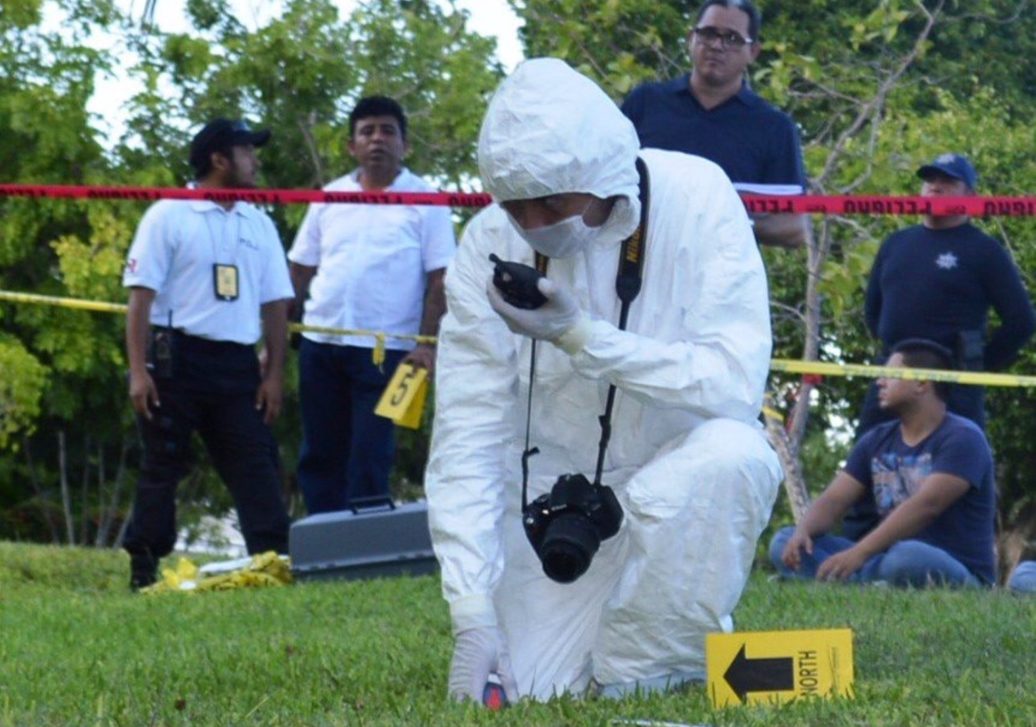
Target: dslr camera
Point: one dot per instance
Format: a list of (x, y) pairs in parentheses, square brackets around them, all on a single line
[(566, 526)]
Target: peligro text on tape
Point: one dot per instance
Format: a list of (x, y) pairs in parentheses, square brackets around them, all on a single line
[(890, 205), (756, 203)]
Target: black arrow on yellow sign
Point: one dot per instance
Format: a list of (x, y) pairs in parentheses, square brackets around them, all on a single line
[(746, 675)]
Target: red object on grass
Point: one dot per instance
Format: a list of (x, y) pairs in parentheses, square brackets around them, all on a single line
[(494, 697)]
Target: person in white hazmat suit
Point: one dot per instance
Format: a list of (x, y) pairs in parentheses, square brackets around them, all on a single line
[(687, 459)]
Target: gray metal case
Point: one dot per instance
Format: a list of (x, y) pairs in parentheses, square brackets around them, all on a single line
[(366, 543)]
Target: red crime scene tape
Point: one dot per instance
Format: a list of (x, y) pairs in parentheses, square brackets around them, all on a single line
[(257, 196), (755, 203)]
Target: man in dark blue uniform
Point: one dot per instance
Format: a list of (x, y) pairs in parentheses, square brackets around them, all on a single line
[(712, 113), (938, 280)]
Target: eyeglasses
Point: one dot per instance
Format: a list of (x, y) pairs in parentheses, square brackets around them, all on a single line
[(727, 38)]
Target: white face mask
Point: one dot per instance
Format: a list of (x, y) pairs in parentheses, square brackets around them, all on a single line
[(562, 239)]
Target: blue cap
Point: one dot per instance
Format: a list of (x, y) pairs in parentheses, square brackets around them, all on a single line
[(951, 165)]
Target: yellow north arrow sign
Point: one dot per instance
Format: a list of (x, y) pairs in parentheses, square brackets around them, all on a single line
[(778, 666)]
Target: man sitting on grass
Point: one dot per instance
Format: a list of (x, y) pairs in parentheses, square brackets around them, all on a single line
[(930, 474)]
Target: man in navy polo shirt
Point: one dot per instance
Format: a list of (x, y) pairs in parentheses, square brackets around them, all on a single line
[(712, 113), (938, 280)]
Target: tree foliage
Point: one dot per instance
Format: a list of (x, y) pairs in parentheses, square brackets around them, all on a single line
[(57, 366), (65, 425), (877, 87)]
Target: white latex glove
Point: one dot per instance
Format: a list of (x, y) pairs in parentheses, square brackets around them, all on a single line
[(559, 320), (478, 653)]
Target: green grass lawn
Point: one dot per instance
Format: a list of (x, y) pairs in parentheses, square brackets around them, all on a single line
[(77, 648)]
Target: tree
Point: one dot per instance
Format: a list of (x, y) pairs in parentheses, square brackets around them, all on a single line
[(63, 408), (56, 364), (877, 88)]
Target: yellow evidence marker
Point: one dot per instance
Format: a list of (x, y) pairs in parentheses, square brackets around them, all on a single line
[(404, 397), (773, 667)]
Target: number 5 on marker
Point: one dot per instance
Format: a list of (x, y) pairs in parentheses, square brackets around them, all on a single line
[(404, 397)]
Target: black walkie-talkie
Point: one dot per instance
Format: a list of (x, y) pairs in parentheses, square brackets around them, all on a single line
[(162, 350), (517, 283)]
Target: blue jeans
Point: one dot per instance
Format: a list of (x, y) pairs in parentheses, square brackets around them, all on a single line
[(1023, 580), (907, 563), (347, 450)]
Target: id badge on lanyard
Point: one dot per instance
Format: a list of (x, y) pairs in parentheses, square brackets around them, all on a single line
[(225, 281)]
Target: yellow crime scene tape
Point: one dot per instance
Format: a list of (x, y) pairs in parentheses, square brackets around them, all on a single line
[(790, 366), (74, 303), (379, 337), (258, 571)]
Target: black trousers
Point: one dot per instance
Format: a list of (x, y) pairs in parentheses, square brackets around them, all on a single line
[(965, 401), (211, 392)]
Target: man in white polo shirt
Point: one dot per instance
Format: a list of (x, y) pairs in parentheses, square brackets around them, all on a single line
[(206, 281), (363, 267)]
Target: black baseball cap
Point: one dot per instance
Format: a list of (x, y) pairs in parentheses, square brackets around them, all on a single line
[(951, 165), (220, 134)]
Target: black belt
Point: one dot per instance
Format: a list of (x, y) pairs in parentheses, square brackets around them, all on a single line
[(204, 345)]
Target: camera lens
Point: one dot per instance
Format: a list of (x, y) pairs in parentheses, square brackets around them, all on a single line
[(568, 546)]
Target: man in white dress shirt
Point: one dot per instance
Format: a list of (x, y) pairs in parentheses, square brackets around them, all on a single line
[(367, 267)]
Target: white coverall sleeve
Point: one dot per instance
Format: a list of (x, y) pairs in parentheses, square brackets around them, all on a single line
[(476, 380), (718, 367)]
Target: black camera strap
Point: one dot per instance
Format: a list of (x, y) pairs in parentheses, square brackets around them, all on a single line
[(627, 287)]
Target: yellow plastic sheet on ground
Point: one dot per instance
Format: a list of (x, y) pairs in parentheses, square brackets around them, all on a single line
[(264, 569)]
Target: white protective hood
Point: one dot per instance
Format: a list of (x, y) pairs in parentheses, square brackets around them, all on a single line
[(527, 149)]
